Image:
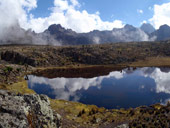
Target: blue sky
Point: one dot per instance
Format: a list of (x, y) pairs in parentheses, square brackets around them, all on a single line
[(43, 8), (124, 10)]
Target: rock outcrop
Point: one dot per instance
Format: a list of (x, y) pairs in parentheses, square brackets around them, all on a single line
[(23, 111), (17, 58)]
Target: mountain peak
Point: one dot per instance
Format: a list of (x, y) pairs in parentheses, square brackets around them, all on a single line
[(55, 28), (163, 33), (147, 28), (165, 26)]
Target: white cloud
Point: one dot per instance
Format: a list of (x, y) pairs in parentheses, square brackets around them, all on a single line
[(140, 11), (12, 12), (64, 12), (96, 39), (81, 21), (161, 15), (60, 5), (128, 36)]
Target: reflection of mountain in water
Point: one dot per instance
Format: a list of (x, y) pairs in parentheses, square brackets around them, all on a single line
[(166, 70)]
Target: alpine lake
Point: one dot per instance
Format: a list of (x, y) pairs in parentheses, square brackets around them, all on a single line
[(126, 88)]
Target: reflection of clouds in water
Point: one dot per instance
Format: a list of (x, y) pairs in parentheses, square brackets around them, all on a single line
[(147, 71), (64, 88), (162, 78), (165, 102)]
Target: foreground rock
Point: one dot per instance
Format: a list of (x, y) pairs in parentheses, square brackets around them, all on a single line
[(23, 111)]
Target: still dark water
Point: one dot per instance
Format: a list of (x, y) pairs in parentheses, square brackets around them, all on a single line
[(125, 89)]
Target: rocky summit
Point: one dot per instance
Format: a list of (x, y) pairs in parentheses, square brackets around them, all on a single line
[(23, 111)]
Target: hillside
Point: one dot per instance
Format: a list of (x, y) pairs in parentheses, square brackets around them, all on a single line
[(105, 54)]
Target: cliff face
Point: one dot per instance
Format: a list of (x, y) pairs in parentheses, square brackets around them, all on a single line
[(23, 111)]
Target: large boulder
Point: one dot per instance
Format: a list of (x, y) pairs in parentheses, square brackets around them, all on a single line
[(23, 111)]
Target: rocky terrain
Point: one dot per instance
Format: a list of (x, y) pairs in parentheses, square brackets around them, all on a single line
[(23, 111), (20, 105), (105, 54)]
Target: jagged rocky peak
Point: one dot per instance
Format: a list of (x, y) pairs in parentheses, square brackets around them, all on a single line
[(55, 28), (148, 28)]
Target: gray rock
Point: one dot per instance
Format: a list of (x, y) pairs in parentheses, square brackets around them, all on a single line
[(23, 111)]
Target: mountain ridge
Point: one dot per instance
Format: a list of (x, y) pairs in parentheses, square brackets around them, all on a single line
[(55, 34)]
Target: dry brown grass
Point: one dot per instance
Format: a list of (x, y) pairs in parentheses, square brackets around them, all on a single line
[(152, 61)]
